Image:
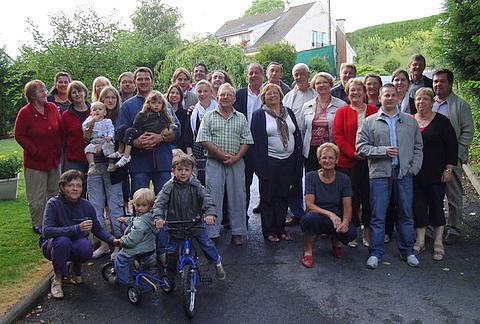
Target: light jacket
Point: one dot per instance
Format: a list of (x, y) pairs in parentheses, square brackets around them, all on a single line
[(309, 113), (374, 137), (139, 236)]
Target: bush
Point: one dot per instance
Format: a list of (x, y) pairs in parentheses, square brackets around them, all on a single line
[(10, 165), (320, 64), (365, 69), (391, 65)]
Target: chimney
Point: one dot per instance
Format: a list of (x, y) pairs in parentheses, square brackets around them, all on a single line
[(341, 24), (287, 6)]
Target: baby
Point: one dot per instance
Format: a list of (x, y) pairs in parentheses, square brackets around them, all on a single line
[(103, 132)]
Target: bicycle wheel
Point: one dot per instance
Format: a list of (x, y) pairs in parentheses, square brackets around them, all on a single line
[(189, 289), (134, 295), (108, 271)]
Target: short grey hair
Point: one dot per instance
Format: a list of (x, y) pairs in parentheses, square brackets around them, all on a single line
[(253, 64), (227, 85), (300, 66)]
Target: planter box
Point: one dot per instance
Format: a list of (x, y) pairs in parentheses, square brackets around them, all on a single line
[(9, 188)]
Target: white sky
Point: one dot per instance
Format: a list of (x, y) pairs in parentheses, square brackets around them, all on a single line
[(201, 16)]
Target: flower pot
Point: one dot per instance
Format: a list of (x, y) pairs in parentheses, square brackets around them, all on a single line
[(9, 188)]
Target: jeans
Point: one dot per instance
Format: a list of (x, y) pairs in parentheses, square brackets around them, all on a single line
[(61, 249), (124, 264), (205, 243), (142, 180), (380, 191), (100, 187)]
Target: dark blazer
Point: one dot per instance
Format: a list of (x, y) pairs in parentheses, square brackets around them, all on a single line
[(241, 98), (411, 103), (259, 149), (440, 148)]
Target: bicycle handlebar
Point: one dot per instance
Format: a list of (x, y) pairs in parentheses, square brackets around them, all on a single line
[(189, 221)]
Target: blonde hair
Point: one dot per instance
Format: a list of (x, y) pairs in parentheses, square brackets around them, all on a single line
[(178, 72), (157, 95), (31, 87), (144, 195), (103, 79), (328, 146), (183, 159), (98, 104), (357, 83), (425, 91), (324, 75), (205, 83), (112, 114)]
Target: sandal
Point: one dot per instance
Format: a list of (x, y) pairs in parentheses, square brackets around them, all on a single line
[(286, 237), (273, 238), (307, 261), (438, 252)]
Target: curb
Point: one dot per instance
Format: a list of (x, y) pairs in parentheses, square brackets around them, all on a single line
[(471, 176), (28, 302)]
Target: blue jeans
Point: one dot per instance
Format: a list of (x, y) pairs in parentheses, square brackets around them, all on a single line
[(142, 180), (124, 264), (380, 191), (100, 187), (205, 243)]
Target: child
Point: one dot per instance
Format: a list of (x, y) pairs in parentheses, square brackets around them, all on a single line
[(184, 198), (154, 117), (103, 132), (139, 236)]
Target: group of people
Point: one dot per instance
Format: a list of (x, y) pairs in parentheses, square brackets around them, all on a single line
[(368, 155)]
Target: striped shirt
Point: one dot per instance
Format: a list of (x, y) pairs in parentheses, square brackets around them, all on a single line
[(227, 134)]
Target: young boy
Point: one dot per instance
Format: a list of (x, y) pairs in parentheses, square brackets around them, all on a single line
[(184, 198), (139, 236)]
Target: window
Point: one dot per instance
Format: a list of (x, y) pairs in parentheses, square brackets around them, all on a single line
[(245, 38), (323, 39), (314, 38)]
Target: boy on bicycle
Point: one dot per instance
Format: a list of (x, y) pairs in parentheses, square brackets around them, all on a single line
[(184, 198), (138, 238)]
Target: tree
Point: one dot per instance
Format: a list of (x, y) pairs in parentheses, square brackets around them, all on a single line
[(391, 65), (215, 54), (363, 70), (7, 98), (261, 6), (320, 64), (283, 53)]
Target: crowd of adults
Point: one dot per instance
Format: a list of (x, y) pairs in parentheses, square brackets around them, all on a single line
[(368, 156)]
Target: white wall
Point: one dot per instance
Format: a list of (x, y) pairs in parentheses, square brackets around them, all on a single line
[(301, 34), (255, 33)]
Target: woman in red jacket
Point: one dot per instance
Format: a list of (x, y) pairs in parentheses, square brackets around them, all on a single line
[(71, 127), (348, 120), (38, 133)]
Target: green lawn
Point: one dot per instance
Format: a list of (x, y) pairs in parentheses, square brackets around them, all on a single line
[(19, 251)]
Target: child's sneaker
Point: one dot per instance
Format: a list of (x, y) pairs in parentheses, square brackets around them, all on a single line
[(124, 160), (91, 169), (115, 155), (220, 272)]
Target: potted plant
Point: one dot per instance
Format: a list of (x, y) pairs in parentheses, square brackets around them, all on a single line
[(10, 166)]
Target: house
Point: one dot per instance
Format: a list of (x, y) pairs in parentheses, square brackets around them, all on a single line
[(305, 26)]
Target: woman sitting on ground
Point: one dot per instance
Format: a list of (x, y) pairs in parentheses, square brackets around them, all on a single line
[(67, 222), (328, 197)]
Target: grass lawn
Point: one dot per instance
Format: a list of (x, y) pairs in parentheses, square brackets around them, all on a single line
[(19, 251)]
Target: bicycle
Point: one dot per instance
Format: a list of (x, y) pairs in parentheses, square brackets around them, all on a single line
[(188, 265), (142, 281)]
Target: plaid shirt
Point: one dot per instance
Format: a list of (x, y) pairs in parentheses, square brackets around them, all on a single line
[(227, 134)]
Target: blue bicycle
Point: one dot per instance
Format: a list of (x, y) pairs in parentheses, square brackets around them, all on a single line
[(188, 265)]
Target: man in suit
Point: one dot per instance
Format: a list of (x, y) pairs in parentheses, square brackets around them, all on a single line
[(247, 101)]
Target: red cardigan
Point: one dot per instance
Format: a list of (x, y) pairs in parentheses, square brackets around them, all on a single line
[(39, 136), (345, 133), (71, 128)]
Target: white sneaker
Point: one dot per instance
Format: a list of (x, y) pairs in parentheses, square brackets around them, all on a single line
[(412, 261), (220, 272), (124, 160), (372, 262), (56, 289), (100, 252), (115, 155)]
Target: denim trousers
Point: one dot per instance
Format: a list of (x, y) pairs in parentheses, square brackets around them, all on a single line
[(61, 249), (205, 243), (142, 180), (124, 264), (380, 191), (102, 193)]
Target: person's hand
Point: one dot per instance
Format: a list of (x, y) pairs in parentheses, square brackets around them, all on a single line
[(343, 227), (230, 159), (121, 219), (151, 140), (446, 176), (159, 223), (190, 109), (108, 139), (86, 225), (392, 151), (358, 156), (335, 220), (210, 220), (117, 242)]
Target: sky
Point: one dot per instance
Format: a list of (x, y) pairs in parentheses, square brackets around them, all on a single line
[(198, 16)]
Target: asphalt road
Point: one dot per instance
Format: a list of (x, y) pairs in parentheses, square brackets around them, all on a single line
[(267, 284)]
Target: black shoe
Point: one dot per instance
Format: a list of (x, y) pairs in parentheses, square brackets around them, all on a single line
[(451, 239), (257, 209), (37, 230)]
